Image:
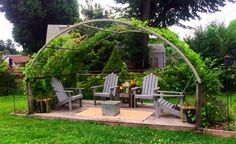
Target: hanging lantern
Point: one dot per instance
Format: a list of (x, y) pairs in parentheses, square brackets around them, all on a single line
[(228, 60)]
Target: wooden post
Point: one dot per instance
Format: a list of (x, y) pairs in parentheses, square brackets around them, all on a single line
[(198, 105), (29, 97)]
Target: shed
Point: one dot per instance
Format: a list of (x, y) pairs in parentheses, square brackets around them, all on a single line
[(157, 56)]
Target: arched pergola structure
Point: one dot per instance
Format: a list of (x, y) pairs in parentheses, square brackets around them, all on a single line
[(133, 29)]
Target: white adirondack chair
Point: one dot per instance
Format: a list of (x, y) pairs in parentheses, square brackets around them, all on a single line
[(148, 88), (162, 105), (109, 88), (64, 95)]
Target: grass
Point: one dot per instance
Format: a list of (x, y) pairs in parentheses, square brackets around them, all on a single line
[(14, 129)]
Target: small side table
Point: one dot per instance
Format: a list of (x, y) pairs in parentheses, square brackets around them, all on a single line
[(183, 109), (46, 101), (127, 95)]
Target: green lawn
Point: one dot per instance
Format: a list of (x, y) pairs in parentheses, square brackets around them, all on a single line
[(15, 129)]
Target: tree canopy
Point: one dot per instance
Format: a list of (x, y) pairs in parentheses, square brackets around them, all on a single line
[(115, 62), (94, 11), (214, 41), (163, 13), (31, 17), (8, 47), (231, 41)]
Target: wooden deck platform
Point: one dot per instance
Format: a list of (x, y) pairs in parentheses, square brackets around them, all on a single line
[(143, 116)]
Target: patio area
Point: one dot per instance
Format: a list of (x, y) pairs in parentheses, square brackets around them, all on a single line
[(141, 116)]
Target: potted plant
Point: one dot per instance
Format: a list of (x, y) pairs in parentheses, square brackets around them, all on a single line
[(42, 98), (188, 112)]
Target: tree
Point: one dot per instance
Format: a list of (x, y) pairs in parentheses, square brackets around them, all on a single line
[(214, 41), (31, 17), (114, 63), (8, 47), (2, 45), (94, 11), (209, 41), (163, 13), (231, 38)]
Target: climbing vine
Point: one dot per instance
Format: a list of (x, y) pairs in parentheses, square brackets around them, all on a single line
[(53, 61)]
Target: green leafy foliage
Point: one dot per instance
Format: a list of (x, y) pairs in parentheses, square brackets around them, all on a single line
[(114, 63), (8, 47), (31, 17), (210, 42), (231, 40), (87, 82), (215, 113), (60, 62), (8, 83), (124, 75), (94, 11), (3, 65), (166, 13)]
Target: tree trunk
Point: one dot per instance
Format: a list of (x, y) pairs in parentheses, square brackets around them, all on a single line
[(145, 17), (146, 10)]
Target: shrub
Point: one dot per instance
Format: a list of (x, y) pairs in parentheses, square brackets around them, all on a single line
[(8, 83), (228, 77), (123, 74), (215, 110), (114, 63), (88, 82)]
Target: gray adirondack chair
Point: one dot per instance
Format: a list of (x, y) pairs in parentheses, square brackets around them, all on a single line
[(162, 105), (109, 88), (148, 88), (64, 95)]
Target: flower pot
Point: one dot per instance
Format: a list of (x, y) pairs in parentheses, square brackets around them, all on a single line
[(190, 115), (43, 105)]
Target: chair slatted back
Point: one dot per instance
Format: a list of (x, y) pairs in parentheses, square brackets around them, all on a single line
[(149, 84), (110, 81), (57, 86)]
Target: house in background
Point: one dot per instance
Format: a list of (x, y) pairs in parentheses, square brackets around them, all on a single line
[(53, 30), (16, 61), (157, 55)]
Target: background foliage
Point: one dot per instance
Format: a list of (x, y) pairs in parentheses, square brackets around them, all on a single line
[(31, 17), (8, 47), (164, 13), (8, 83)]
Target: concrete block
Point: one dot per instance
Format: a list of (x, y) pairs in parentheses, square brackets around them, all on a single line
[(110, 108)]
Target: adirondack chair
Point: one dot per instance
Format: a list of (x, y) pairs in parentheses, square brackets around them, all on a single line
[(162, 105), (109, 88), (148, 88), (64, 95)]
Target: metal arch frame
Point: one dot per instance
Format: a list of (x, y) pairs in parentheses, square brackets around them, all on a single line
[(141, 29), (144, 30)]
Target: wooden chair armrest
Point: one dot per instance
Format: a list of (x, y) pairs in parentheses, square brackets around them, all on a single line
[(170, 92), (74, 88), (94, 87), (77, 90), (156, 89), (136, 88), (169, 95), (65, 91), (114, 87)]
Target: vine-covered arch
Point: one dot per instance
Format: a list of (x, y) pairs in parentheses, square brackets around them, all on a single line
[(139, 28), (133, 27)]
